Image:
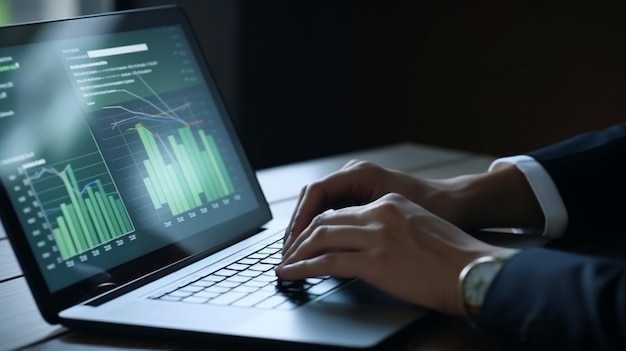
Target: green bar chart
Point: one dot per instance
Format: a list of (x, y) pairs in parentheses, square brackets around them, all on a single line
[(80, 219), (184, 169)]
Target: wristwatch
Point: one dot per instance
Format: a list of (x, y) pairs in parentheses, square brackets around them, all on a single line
[(475, 279)]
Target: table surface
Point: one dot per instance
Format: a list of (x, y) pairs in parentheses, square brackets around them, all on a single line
[(23, 328)]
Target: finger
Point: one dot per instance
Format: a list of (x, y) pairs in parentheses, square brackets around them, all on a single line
[(349, 216), (332, 238), (288, 236), (315, 198), (338, 189), (318, 196), (336, 264), (294, 240), (351, 163)]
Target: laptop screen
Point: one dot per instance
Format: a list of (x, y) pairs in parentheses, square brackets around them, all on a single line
[(115, 148)]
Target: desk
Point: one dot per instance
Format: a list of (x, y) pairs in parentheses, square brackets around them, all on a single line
[(22, 327)]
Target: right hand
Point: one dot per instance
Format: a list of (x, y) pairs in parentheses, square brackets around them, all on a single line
[(359, 183), (392, 244), (501, 198)]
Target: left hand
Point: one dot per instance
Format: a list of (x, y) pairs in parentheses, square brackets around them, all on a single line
[(392, 244)]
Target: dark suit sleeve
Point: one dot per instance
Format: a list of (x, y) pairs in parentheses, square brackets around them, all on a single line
[(558, 300), (589, 171), (563, 300)]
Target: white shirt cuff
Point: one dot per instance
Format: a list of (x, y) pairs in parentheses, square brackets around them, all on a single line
[(545, 191)]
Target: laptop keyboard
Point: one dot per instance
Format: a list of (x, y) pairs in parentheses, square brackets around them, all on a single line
[(249, 282)]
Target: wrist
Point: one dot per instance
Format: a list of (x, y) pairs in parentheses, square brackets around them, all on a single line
[(476, 278), (501, 198)]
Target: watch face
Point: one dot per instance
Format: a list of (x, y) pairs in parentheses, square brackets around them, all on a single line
[(477, 280)]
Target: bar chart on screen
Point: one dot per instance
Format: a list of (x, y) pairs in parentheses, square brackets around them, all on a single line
[(196, 170), (174, 149), (78, 202)]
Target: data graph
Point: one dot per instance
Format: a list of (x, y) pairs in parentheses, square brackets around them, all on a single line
[(195, 175), (179, 160), (80, 217)]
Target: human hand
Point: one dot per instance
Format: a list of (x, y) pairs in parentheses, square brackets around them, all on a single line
[(361, 182), (390, 243), (501, 198)]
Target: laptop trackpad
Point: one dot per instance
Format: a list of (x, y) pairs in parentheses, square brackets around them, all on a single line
[(361, 293)]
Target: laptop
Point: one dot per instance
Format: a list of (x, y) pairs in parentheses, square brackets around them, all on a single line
[(131, 205)]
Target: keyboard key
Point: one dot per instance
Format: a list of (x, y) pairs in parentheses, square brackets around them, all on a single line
[(225, 272), (238, 278), (252, 299), (268, 250), (246, 289), (228, 298), (213, 278), (290, 285), (207, 294), (261, 267), (227, 284), (270, 287), (272, 260), (265, 278), (238, 267), (204, 283), (272, 301), (324, 286), (195, 299), (169, 298), (248, 261), (217, 289), (157, 295), (192, 288), (256, 283), (276, 245), (179, 293), (270, 273), (250, 273), (313, 280), (258, 256), (290, 304)]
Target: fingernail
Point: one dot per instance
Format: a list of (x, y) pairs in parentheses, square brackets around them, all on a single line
[(284, 269)]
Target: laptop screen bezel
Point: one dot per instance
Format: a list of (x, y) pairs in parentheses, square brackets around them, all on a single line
[(50, 303)]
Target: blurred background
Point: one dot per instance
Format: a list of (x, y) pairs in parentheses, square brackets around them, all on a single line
[(307, 79)]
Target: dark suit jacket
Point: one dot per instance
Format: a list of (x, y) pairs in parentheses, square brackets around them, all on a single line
[(565, 300)]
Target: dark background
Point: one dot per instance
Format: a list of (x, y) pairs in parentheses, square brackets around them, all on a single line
[(305, 79)]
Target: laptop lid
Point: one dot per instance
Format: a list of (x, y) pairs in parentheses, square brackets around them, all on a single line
[(117, 154)]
